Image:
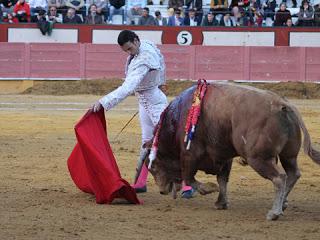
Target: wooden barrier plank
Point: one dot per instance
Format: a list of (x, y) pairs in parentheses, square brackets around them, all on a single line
[(12, 60), (313, 64), (274, 63), (219, 63)]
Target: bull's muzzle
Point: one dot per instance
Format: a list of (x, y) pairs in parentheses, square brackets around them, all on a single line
[(165, 190), (171, 187)]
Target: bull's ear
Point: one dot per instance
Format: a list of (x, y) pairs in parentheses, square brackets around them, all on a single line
[(147, 144)]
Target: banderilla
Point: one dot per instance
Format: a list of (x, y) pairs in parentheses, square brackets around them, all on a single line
[(135, 114)]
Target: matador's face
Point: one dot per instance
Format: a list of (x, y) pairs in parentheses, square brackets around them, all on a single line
[(132, 48)]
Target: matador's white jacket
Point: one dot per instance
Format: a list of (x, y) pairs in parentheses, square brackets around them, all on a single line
[(144, 73)]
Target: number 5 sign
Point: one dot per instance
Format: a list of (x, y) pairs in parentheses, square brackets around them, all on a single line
[(184, 38)]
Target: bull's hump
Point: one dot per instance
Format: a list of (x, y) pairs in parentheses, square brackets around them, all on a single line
[(241, 88), (236, 89)]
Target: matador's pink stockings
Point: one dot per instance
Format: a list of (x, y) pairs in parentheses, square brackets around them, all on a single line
[(142, 179)]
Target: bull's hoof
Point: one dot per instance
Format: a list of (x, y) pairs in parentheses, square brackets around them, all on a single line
[(221, 206), (271, 216), (188, 193), (285, 205), (207, 188)]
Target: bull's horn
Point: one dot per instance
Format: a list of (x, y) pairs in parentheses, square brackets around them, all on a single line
[(152, 156), (174, 190), (143, 155)]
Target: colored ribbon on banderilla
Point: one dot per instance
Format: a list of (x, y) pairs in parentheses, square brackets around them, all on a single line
[(192, 119), (154, 148), (194, 112)]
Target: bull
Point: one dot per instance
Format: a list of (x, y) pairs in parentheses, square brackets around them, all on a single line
[(259, 126)]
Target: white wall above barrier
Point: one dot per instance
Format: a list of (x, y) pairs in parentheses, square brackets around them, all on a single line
[(33, 35), (111, 36), (265, 39), (306, 39)]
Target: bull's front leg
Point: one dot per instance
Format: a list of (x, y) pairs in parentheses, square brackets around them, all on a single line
[(223, 179), (188, 171)]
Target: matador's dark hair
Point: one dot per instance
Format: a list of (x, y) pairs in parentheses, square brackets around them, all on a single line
[(127, 36)]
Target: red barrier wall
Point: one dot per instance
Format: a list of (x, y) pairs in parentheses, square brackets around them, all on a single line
[(87, 61), (54, 60), (13, 60)]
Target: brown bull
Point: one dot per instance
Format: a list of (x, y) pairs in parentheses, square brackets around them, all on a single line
[(257, 125)]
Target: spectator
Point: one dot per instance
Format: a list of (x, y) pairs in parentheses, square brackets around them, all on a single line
[(294, 3), (116, 7), (227, 21), (289, 22), (191, 19), (53, 15), (243, 19), (239, 17), (269, 8), (219, 6), (71, 17), (242, 11), (44, 26), (102, 8), (160, 21), (79, 6), (258, 19), (253, 13), (93, 17), (60, 6), (317, 13), (305, 15), (282, 15), (209, 20), (40, 14), (146, 19), (176, 4), (55, 3), (22, 11), (9, 18), (170, 12), (134, 10), (236, 15), (176, 19), (7, 5), (234, 3), (195, 5), (36, 6), (243, 5)]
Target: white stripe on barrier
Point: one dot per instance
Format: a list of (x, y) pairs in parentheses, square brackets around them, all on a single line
[(42, 109), (32, 107), (43, 103)]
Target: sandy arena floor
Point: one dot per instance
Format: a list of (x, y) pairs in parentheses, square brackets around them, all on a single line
[(40, 201)]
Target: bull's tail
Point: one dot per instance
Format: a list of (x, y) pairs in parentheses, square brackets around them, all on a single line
[(307, 145)]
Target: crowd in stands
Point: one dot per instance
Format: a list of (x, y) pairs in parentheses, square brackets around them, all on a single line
[(179, 12)]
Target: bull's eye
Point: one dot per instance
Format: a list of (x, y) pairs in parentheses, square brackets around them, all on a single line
[(152, 169)]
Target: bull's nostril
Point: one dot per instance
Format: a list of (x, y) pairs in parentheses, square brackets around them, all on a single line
[(161, 192)]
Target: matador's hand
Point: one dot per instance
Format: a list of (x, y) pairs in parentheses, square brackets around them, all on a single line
[(96, 106)]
